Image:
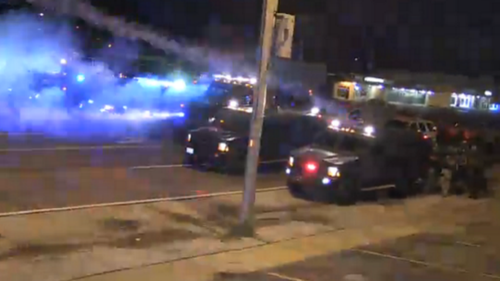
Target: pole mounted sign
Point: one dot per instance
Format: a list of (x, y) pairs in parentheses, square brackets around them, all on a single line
[(266, 40)]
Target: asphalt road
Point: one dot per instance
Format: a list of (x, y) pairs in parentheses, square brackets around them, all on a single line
[(48, 173), (414, 258)]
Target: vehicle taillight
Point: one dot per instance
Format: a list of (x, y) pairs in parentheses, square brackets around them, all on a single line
[(425, 137), (311, 167)]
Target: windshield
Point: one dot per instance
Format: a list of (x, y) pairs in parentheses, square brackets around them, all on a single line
[(232, 120), (342, 142), (218, 92)]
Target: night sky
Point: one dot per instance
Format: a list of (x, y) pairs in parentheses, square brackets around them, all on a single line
[(454, 36)]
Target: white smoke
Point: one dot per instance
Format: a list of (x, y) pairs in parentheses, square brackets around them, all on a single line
[(121, 28)]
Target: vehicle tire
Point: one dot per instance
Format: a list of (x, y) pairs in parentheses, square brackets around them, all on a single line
[(402, 188), (234, 166), (188, 160), (295, 190), (346, 193)]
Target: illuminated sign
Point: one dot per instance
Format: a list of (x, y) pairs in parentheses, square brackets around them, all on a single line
[(374, 80)]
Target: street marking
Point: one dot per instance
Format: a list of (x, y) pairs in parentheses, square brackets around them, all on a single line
[(380, 187), (77, 148), (131, 141), (424, 263), (159, 167), (134, 202), (284, 277)]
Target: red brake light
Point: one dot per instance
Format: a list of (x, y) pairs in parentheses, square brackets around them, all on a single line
[(426, 137), (311, 167)]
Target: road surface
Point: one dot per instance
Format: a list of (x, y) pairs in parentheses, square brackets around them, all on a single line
[(414, 258), (41, 172)]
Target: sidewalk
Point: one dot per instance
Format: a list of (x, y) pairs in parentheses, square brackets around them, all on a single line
[(266, 261), (188, 240)]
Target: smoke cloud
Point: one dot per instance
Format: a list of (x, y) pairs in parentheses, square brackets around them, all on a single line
[(121, 28), (36, 52)]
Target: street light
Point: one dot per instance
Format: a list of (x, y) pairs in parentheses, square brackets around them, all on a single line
[(269, 8)]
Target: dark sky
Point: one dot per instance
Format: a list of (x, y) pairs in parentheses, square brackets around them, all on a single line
[(184, 17), (460, 36), (455, 36)]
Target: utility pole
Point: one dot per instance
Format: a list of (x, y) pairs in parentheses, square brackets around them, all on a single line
[(269, 9)]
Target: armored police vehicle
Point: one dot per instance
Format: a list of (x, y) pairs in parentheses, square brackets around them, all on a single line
[(224, 142), (342, 162)]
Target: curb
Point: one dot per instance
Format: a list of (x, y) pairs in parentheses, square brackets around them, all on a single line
[(134, 202)]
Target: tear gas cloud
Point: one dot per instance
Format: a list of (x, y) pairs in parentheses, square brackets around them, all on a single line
[(31, 45), (121, 28)]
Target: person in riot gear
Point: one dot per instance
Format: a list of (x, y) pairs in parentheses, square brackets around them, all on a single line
[(462, 169), (476, 165)]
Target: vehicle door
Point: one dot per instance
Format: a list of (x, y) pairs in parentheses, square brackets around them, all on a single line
[(275, 132), (362, 148)]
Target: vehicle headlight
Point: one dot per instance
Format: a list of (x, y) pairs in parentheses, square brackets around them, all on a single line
[(335, 123), (290, 161), (315, 110), (233, 104), (223, 147), (369, 130), (333, 172)]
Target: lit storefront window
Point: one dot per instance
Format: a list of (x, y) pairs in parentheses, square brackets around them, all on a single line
[(407, 96), (469, 101), (343, 92), (364, 91)]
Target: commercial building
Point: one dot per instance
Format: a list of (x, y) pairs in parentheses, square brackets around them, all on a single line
[(424, 89)]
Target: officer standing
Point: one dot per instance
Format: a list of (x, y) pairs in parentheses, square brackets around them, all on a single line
[(476, 166)]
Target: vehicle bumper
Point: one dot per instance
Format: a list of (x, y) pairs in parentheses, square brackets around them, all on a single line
[(210, 159), (319, 186)]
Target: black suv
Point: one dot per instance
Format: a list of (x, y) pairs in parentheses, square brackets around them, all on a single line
[(217, 96), (223, 143), (340, 164)]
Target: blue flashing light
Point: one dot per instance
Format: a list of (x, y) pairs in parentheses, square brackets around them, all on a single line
[(80, 78), (147, 82), (90, 101), (179, 85), (494, 107)]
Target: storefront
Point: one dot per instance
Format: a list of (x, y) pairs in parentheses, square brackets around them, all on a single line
[(361, 88), (407, 96), (469, 101)]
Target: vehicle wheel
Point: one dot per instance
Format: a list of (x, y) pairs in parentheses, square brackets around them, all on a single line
[(402, 188), (295, 190), (188, 160), (346, 193), (234, 166)]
